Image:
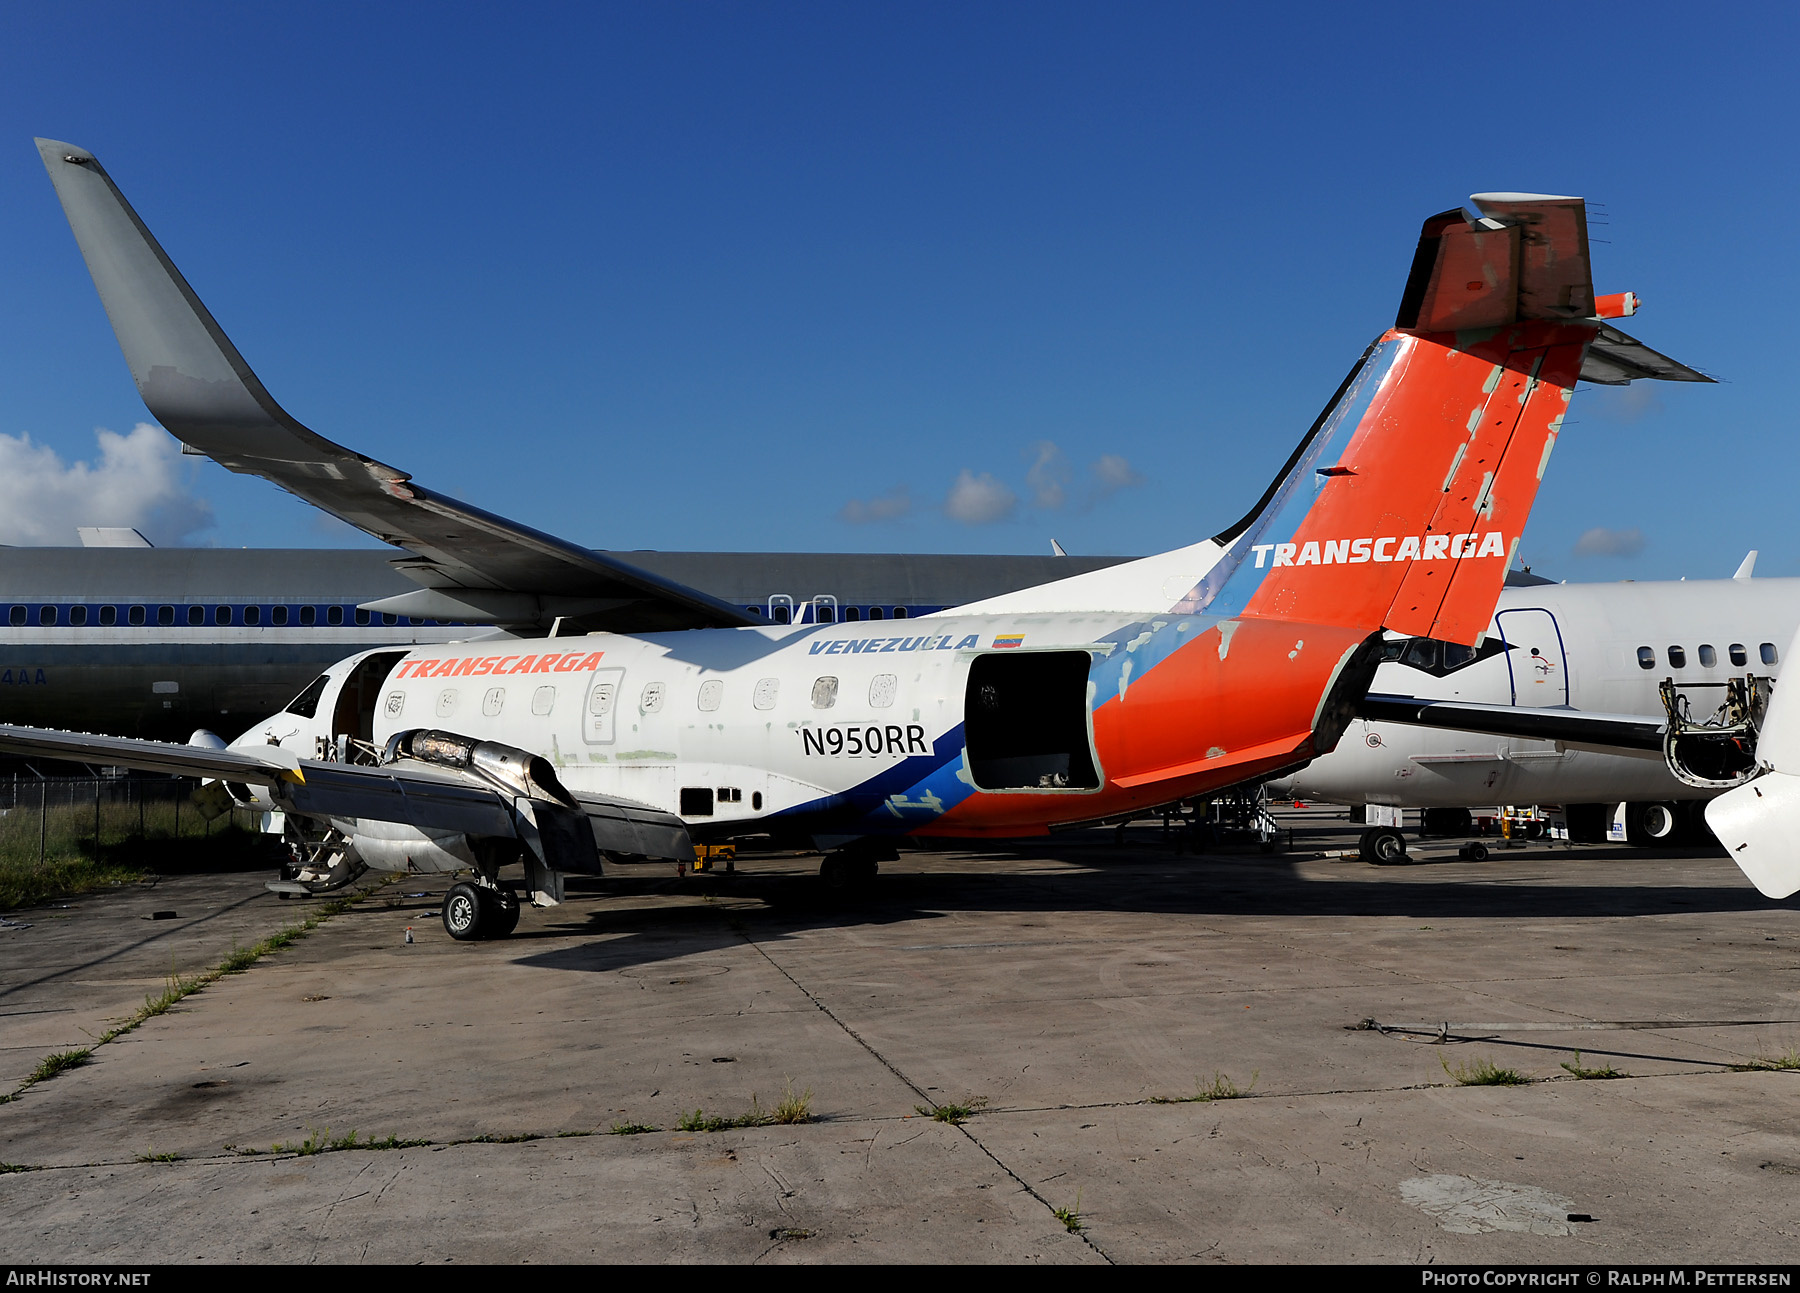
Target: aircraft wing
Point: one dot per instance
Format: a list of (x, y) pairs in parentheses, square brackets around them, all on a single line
[(474, 566), (430, 797), (1570, 726)]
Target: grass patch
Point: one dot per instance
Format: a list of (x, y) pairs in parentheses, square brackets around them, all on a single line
[(26, 884), (1771, 1063), (620, 1129), (319, 1141), (789, 1110), (954, 1114), (1070, 1217), (7, 1169), (151, 1156), (517, 1138), (241, 958), (1484, 1072), (1221, 1088), (1592, 1075)]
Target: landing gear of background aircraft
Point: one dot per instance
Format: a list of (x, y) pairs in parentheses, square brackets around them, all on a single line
[(1650, 824), (465, 914), (502, 914), (856, 865), (473, 910), (1382, 846)]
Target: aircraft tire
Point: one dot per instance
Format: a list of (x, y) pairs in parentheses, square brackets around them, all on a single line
[(502, 914), (1382, 846), (1651, 825), (465, 914)]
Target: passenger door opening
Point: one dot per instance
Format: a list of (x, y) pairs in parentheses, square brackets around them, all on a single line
[(1025, 719)]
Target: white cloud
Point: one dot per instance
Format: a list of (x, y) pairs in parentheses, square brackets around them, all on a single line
[(1602, 542), (978, 500), (1049, 476), (891, 506), (138, 481), (1114, 474)]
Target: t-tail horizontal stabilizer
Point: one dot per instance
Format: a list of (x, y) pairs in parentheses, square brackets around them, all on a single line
[(1759, 821), (198, 386), (1421, 473)]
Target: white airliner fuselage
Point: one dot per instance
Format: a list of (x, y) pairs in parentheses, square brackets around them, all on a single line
[(1601, 648)]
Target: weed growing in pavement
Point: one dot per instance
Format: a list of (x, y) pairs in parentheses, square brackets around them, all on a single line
[(1771, 1063), (1070, 1217), (1222, 1088), (619, 1129), (1484, 1072), (954, 1114), (1591, 1075), (151, 1156)]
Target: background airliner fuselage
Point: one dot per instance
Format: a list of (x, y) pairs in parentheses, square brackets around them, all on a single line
[(1602, 648)]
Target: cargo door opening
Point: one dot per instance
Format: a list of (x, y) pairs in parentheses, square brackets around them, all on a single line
[(1025, 719), (354, 713)]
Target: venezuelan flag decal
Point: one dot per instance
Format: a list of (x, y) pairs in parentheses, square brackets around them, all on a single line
[(1008, 640)]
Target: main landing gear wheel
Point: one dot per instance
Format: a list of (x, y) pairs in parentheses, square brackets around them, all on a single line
[(1382, 846), (501, 916), (845, 873), (466, 916)]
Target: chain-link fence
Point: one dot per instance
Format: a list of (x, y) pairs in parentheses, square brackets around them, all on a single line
[(44, 821)]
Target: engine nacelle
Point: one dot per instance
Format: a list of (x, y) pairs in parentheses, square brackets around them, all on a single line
[(395, 846)]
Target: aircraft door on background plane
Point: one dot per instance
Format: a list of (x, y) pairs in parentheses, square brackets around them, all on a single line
[(1540, 671), (599, 718)]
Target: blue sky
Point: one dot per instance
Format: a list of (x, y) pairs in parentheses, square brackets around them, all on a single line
[(916, 277)]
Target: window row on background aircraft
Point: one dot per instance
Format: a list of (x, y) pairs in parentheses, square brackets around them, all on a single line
[(110, 614), (780, 610), (1708, 657)]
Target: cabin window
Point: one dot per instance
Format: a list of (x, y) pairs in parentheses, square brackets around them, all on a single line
[(601, 702), (396, 701), (767, 690), (876, 613), (543, 700), (334, 614), (1708, 656), (492, 700), (712, 691), (1677, 657), (165, 615), (46, 615), (652, 698), (388, 617), (1646, 658), (278, 615), (17, 617), (899, 612), (882, 688), (109, 615), (1456, 655), (362, 616), (1769, 654), (852, 614), (221, 615), (756, 800), (1739, 656), (824, 693), (136, 615), (696, 801), (446, 702), (1026, 722), (78, 615), (306, 704), (309, 614), (253, 615)]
